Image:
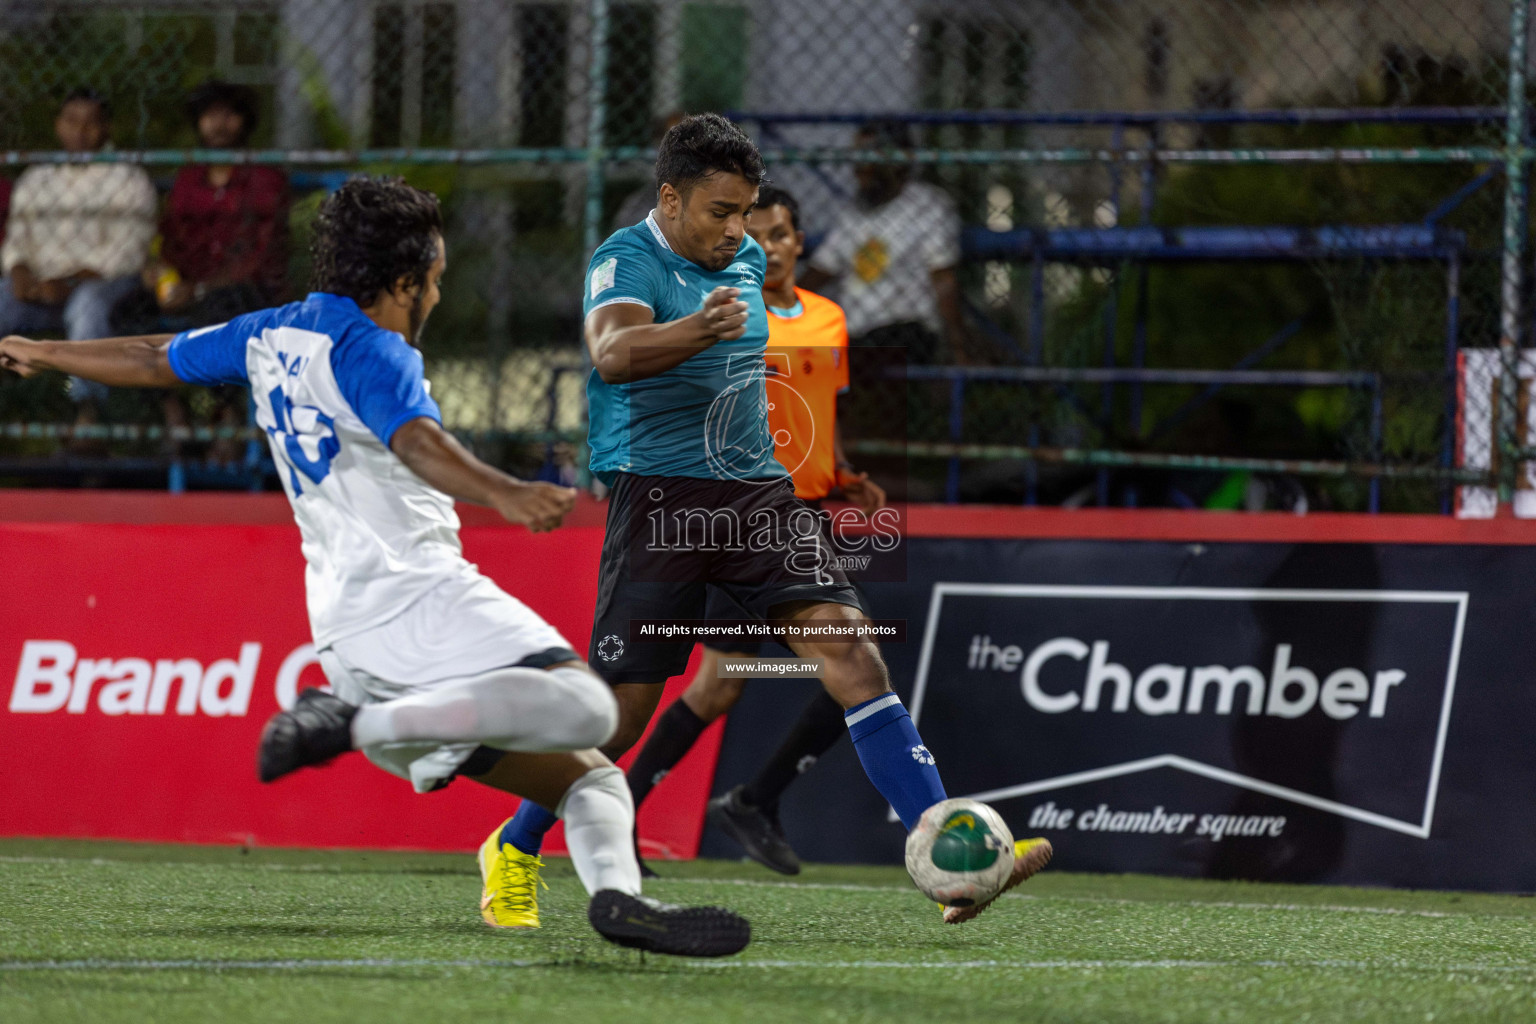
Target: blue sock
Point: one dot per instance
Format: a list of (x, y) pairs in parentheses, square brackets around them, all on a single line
[(527, 827), (894, 757)]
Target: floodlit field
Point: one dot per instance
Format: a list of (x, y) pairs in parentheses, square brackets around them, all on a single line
[(107, 932)]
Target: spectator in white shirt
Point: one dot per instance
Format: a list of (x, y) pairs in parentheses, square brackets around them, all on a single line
[(894, 255), (76, 238)]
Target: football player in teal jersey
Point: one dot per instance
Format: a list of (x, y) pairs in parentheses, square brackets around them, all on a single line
[(677, 405)]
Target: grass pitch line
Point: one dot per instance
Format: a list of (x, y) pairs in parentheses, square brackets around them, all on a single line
[(1116, 965), (393, 963), (1335, 908)]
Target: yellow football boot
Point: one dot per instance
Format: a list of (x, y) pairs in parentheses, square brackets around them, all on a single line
[(1029, 856), (511, 877)]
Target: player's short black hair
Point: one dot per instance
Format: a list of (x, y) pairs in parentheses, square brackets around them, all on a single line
[(702, 144), (89, 95), (218, 93), (770, 195), (370, 233)]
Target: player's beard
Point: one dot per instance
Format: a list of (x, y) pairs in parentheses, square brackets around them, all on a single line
[(721, 256), (418, 318)]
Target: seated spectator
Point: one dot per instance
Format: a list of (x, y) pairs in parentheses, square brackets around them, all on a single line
[(224, 236), (894, 254), (76, 238), (223, 249)]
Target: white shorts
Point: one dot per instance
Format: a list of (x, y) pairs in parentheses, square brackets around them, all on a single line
[(462, 628)]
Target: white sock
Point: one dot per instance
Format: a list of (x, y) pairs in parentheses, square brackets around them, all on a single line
[(599, 831), (521, 709)]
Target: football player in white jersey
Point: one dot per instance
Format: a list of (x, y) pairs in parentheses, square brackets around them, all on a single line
[(434, 670)]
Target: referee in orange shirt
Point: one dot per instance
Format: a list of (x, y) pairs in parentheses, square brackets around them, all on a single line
[(808, 354)]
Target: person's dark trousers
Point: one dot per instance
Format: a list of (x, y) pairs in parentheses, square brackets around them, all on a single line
[(676, 731), (819, 726)]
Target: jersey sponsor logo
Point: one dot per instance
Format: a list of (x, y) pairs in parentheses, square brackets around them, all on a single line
[(747, 276), (602, 275), (52, 676)]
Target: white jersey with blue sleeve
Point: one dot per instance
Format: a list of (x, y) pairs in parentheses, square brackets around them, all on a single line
[(331, 387)]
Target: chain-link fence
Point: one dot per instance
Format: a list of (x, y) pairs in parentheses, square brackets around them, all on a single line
[(1223, 253)]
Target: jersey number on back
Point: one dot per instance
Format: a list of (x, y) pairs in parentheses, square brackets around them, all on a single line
[(298, 431)]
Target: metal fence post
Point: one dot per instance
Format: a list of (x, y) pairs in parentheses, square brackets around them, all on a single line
[(597, 116), (1509, 433), (597, 155)]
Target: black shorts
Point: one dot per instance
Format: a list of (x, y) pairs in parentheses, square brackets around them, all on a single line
[(720, 608), (674, 544)]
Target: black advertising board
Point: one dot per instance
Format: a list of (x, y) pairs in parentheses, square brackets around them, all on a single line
[(1357, 713)]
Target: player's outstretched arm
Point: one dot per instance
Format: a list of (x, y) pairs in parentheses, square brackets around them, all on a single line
[(627, 345), (438, 458), (137, 362)]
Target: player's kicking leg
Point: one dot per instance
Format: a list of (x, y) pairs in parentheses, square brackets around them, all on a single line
[(517, 710), (886, 739)]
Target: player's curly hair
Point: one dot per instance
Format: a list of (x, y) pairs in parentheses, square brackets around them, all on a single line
[(698, 146), (370, 233)]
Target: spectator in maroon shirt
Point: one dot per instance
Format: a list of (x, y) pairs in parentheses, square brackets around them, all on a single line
[(224, 248)]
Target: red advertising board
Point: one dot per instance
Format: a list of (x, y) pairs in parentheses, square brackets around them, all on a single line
[(139, 661), (144, 639)]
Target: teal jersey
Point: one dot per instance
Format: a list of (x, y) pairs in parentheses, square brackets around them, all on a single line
[(707, 417)]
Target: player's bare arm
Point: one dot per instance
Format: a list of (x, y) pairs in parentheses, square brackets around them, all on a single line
[(134, 362), (438, 458), (627, 345)]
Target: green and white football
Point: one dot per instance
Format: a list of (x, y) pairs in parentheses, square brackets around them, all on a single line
[(960, 853)]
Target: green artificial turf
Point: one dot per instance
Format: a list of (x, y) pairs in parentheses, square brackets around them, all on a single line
[(106, 932)]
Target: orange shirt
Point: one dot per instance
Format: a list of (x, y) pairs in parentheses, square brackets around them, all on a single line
[(807, 360)]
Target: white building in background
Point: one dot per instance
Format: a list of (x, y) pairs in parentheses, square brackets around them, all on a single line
[(506, 72), (382, 62)]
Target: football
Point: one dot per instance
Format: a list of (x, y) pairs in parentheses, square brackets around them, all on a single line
[(960, 853)]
